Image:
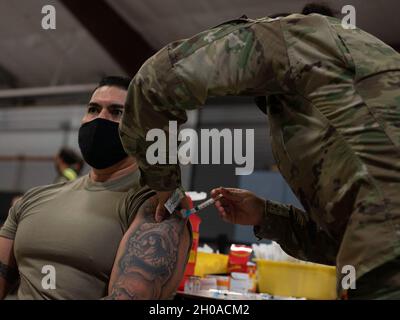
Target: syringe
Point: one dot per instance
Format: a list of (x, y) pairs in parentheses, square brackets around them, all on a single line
[(185, 213)]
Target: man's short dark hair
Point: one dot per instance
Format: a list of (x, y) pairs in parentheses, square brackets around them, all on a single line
[(320, 8), (114, 81)]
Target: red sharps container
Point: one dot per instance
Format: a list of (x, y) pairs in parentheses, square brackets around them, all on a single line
[(195, 221)]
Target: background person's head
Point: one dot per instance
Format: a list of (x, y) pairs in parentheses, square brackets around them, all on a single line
[(318, 7), (312, 7), (68, 158)]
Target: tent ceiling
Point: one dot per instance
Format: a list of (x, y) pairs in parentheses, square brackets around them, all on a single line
[(32, 57)]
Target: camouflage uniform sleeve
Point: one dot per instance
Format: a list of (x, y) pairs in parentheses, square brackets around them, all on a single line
[(297, 234), (227, 60)]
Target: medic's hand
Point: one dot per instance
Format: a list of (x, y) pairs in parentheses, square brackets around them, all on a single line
[(161, 212), (239, 206)]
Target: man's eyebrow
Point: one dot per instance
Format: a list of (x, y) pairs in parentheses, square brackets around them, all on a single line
[(116, 106), (94, 104)]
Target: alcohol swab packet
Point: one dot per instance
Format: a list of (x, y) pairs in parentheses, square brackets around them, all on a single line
[(174, 200), (185, 213)]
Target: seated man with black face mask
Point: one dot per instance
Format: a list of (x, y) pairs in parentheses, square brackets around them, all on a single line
[(94, 237)]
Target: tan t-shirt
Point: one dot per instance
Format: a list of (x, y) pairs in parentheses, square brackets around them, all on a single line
[(73, 228)]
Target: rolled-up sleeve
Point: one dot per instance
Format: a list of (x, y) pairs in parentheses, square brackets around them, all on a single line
[(9, 229)]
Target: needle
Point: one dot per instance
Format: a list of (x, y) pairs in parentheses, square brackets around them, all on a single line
[(186, 213)]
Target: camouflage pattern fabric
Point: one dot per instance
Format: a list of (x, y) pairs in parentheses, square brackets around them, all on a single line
[(382, 283), (334, 113)]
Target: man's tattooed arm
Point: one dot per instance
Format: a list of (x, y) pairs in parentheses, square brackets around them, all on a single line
[(152, 256)]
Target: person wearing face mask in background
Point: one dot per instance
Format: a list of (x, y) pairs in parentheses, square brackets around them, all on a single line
[(96, 234)]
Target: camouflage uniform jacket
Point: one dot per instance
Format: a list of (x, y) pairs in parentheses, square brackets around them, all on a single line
[(334, 117)]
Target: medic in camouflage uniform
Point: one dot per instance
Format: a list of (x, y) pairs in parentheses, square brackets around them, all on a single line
[(334, 112)]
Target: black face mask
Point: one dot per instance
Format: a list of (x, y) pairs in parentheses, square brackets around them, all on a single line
[(100, 144)]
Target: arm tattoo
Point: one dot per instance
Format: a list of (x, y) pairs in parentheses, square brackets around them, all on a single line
[(9, 274), (149, 258)]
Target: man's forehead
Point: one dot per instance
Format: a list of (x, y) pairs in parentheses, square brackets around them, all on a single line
[(109, 95)]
